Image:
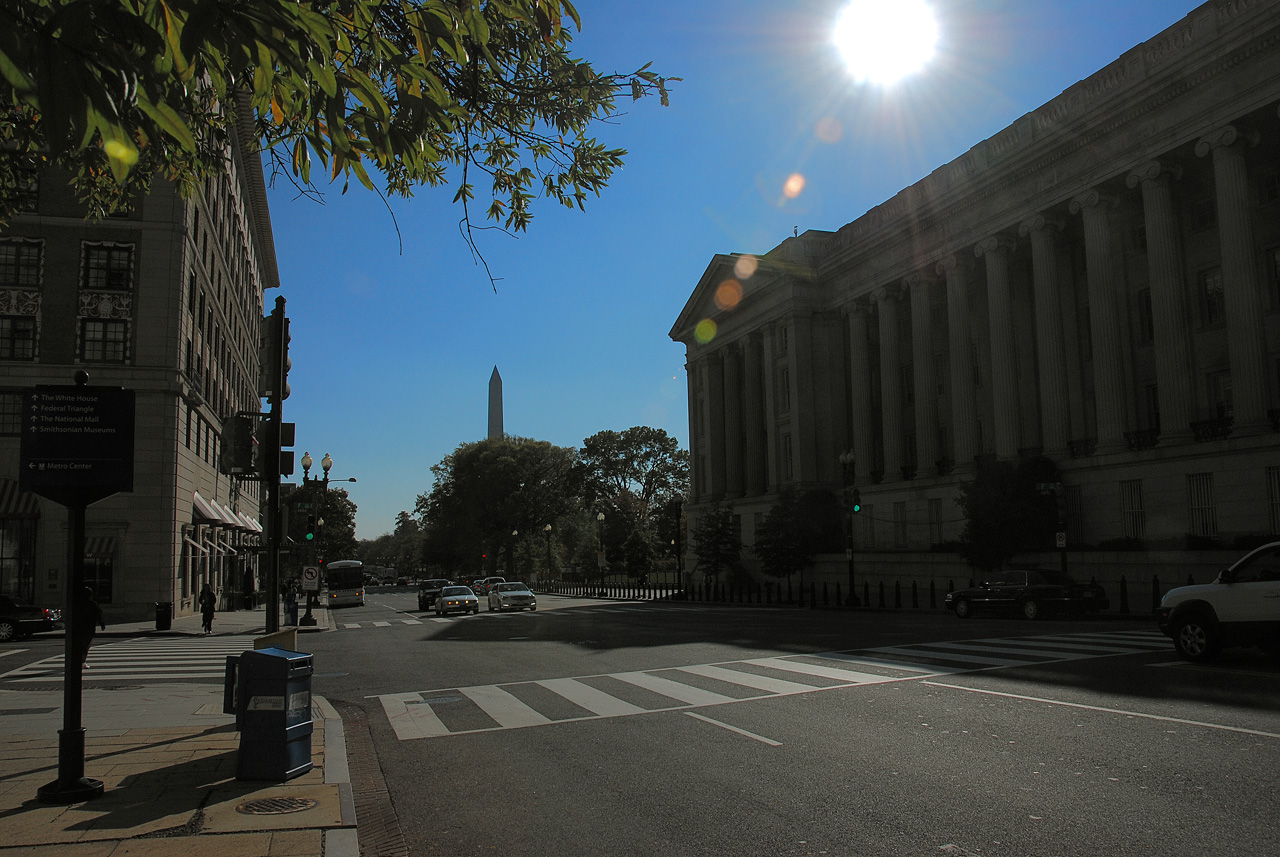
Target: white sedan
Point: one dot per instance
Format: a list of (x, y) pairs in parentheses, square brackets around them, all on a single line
[(456, 599), (517, 596)]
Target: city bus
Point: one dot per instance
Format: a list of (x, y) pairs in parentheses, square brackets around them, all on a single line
[(344, 582)]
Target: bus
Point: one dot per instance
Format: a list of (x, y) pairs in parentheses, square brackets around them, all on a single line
[(344, 581)]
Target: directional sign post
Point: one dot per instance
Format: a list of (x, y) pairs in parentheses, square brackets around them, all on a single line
[(76, 449)]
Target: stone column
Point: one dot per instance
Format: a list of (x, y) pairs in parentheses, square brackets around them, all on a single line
[(964, 418), (1104, 322), (926, 381), (1004, 353), (1246, 343), (733, 421), (860, 389), (890, 383), (696, 443), (753, 401), (715, 425), (1168, 301), (1055, 410)]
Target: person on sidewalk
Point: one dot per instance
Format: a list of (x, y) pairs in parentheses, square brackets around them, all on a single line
[(88, 617), (207, 602)]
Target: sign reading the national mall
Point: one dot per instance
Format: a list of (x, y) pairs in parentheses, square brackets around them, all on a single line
[(77, 442)]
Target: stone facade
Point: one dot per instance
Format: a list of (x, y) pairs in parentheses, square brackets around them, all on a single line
[(1098, 283), (166, 301)]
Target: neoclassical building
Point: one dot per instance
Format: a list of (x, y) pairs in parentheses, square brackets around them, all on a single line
[(165, 300), (1098, 283)]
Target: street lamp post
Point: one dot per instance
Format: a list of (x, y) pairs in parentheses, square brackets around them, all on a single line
[(600, 554), (547, 532), (848, 471), (326, 464)]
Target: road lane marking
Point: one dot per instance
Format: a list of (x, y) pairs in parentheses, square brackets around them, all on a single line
[(760, 738), (11, 652), (507, 711), (847, 676), (884, 662), (410, 717), (586, 696), (946, 656), (382, 624), (1105, 710)]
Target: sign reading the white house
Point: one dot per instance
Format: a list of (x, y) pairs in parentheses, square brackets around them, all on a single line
[(77, 442)]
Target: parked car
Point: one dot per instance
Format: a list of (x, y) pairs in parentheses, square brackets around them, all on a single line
[(456, 599), (18, 619), (514, 595), (429, 591), (1031, 593), (1240, 608)]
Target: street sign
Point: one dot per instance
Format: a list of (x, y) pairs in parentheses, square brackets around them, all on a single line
[(1060, 540), (310, 578), (77, 442)]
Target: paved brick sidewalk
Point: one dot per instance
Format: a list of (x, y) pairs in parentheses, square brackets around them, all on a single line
[(166, 755)]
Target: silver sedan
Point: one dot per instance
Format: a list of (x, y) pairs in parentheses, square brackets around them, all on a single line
[(456, 599), (517, 596)]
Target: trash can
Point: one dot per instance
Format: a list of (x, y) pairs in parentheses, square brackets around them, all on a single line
[(164, 615), (273, 708), (229, 688)]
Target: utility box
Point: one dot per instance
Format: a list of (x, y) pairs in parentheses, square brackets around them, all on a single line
[(273, 711)]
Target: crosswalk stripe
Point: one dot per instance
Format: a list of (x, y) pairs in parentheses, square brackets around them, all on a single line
[(885, 662), (350, 625), (588, 697), (849, 676), (972, 659), (674, 689), (759, 682), (1063, 654), (410, 717), (504, 708), (411, 621), (382, 624)]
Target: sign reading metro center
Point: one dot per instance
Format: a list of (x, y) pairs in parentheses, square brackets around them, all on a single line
[(77, 442)]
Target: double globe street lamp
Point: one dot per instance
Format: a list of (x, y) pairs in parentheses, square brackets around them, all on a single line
[(315, 522)]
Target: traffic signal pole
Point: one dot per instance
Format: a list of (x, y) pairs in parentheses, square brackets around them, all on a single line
[(276, 355)]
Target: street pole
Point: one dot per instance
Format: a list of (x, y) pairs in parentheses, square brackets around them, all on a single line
[(278, 332)]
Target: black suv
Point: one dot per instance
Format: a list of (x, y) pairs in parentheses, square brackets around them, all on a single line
[(429, 591), (1240, 608)]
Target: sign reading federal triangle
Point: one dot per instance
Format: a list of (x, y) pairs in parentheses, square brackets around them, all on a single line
[(77, 442)]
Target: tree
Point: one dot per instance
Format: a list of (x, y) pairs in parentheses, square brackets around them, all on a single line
[(1005, 513), (783, 540), (422, 92), (486, 490), (716, 543), (644, 462)]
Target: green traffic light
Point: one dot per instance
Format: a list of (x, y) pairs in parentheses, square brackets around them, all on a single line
[(310, 536), (856, 508)]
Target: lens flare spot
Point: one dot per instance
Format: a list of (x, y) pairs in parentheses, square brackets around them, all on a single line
[(745, 267), (793, 186), (705, 331), (729, 294), (829, 130)]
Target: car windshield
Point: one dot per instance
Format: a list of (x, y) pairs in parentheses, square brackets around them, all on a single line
[(434, 584), (455, 590), (512, 587)]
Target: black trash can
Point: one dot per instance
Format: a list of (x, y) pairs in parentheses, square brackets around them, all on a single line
[(273, 709), (164, 615)]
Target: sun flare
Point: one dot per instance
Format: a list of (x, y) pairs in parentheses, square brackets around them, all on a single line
[(882, 42)]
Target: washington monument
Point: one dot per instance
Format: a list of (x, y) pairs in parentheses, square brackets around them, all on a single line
[(495, 405)]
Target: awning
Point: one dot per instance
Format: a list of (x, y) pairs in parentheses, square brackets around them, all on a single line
[(202, 512), (225, 516), (14, 502), (99, 547), (250, 524)]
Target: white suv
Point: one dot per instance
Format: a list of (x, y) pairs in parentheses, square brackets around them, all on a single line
[(1240, 608)]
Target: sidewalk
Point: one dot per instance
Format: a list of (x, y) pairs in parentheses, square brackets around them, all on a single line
[(166, 755)]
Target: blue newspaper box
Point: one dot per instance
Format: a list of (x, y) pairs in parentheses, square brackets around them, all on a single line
[(273, 711)]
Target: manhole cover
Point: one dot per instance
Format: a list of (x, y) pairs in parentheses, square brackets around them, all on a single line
[(275, 805)]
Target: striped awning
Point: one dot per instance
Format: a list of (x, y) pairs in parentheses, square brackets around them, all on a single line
[(15, 502), (99, 547), (202, 512)]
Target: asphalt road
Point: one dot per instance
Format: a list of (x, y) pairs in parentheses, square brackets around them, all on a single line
[(603, 728)]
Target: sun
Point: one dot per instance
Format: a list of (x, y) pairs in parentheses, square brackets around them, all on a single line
[(883, 41)]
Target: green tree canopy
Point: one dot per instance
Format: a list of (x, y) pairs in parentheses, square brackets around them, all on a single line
[(118, 91), (485, 490), (643, 462), (784, 541), (716, 543)]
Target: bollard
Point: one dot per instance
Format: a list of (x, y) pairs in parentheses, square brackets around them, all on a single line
[(897, 594), (1155, 593), (788, 590), (933, 595), (826, 596), (882, 593), (915, 596), (1191, 581), (866, 593), (839, 599), (1124, 595)]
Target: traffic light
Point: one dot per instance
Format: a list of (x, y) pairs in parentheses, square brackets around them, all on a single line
[(311, 527), (239, 446), (855, 500), (273, 356)]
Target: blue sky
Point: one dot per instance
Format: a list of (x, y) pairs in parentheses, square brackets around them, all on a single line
[(394, 336)]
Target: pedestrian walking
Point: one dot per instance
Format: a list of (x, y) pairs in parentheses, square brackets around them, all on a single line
[(87, 619), (207, 602)]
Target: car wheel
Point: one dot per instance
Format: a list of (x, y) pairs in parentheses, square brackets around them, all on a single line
[(1030, 609), (476, 610), (964, 609), (1196, 640), (7, 631), (533, 607), (491, 608)]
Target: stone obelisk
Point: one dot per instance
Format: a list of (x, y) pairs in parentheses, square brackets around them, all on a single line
[(495, 405)]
